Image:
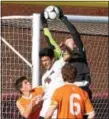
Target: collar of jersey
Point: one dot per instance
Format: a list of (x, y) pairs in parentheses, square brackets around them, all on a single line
[(27, 97), (69, 83)]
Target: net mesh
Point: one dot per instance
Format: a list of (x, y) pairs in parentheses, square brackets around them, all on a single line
[(83, 28), (18, 32)]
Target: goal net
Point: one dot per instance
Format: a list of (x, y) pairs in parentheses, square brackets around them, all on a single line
[(18, 33), (16, 43)]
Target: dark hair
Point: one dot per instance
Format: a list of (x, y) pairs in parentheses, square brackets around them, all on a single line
[(18, 83), (69, 72), (46, 52)]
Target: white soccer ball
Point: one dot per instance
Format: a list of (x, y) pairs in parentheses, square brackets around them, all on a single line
[(51, 13)]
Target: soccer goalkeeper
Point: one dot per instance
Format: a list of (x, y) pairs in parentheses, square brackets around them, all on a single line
[(78, 59)]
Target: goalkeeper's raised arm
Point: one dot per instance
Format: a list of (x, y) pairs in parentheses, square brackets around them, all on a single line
[(48, 36), (79, 59), (73, 31)]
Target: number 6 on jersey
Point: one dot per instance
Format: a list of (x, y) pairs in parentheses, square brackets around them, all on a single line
[(74, 104)]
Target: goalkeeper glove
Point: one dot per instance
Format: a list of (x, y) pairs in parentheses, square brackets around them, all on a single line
[(61, 15), (43, 20)]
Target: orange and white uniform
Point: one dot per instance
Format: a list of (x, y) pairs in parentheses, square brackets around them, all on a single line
[(72, 102), (23, 102)]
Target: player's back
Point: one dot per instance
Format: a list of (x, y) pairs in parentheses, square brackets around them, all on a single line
[(72, 102)]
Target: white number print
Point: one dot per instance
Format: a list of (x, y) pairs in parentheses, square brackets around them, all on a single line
[(74, 104)]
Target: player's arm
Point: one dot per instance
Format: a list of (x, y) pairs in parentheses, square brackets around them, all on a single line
[(56, 98), (53, 104), (89, 110), (66, 53), (39, 90), (48, 36), (25, 112), (73, 31), (50, 111), (52, 43)]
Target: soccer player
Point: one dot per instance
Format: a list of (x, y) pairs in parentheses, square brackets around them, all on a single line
[(30, 102), (78, 59), (70, 101), (52, 78)]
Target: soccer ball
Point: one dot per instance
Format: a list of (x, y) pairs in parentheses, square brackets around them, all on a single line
[(51, 13)]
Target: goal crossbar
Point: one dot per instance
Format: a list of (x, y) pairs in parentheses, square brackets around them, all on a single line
[(88, 19), (72, 18), (16, 17)]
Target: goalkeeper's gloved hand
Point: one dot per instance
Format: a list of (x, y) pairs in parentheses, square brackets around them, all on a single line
[(43, 20), (61, 15)]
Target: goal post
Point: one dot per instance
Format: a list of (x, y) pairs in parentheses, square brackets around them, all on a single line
[(35, 50), (35, 46)]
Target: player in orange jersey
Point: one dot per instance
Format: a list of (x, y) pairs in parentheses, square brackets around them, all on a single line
[(71, 101), (30, 102)]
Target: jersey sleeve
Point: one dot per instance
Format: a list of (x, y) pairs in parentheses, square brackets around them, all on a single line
[(56, 98), (39, 90), (52, 43), (43, 82), (20, 107), (75, 35), (59, 63), (88, 105)]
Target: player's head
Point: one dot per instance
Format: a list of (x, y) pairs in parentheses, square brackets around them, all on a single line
[(46, 56), (23, 85), (69, 72), (70, 43)]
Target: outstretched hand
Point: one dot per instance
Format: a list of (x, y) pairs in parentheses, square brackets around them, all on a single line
[(62, 46), (43, 20), (61, 15), (38, 99)]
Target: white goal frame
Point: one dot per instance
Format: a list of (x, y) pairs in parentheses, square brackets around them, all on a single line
[(35, 46)]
